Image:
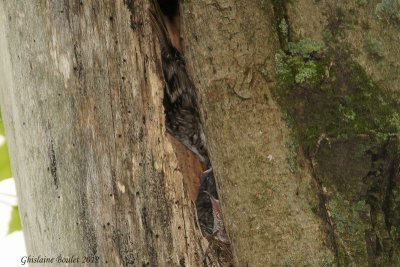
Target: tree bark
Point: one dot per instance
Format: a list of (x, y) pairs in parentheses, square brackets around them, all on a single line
[(301, 124), (96, 175), (320, 186), (230, 46), (358, 166)]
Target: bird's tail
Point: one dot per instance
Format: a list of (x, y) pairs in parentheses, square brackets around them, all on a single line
[(158, 24)]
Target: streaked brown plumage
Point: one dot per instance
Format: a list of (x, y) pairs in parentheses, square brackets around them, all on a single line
[(180, 99), (182, 117)]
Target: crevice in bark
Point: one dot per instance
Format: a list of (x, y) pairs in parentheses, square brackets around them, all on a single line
[(381, 181), (281, 22), (283, 29), (188, 163), (392, 213), (323, 200), (53, 164), (359, 196), (358, 206)]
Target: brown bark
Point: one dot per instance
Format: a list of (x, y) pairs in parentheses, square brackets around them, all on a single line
[(230, 47), (339, 206), (359, 170), (81, 94)]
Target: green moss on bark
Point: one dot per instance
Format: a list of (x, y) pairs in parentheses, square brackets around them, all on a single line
[(351, 227), (330, 97), (349, 126), (328, 94)]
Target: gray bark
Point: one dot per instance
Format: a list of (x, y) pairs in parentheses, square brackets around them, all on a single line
[(81, 97), (81, 94)]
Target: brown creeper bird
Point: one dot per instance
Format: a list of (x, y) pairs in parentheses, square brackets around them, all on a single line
[(182, 116)]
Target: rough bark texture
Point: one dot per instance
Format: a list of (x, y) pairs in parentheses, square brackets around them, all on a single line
[(230, 47), (301, 117), (82, 101), (327, 186), (356, 159)]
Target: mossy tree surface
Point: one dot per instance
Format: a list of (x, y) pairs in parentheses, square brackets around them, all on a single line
[(336, 81), (230, 47), (301, 116), (338, 77)]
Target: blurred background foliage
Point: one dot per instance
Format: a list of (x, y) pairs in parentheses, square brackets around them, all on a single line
[(6, 173), (5, 167)]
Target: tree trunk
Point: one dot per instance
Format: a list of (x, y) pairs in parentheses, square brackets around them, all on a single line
[(230, 49), (302, 134), (300, 118), (96, 175)]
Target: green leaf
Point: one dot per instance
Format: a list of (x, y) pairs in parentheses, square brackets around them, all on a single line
[(15, 222), (5, 166)]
